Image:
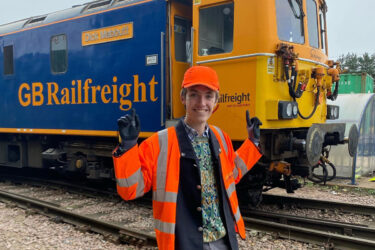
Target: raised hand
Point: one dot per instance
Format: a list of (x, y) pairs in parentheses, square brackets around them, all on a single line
[(129, 127), (253, 129)]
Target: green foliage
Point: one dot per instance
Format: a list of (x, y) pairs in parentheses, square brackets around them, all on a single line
[(350, 61), (356, 64)]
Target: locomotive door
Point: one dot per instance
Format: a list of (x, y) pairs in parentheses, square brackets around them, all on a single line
[(222, 31), (180, 49)]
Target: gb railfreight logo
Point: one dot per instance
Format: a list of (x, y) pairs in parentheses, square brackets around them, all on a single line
[(88, 92)]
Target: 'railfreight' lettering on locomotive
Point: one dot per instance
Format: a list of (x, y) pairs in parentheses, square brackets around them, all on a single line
[(85, 92), (241, 99)]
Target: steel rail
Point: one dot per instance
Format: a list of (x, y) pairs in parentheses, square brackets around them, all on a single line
[(114, 232), (144, 201), (331, 240), (77, 188), (340, 228), (280, 228), (318, 204)]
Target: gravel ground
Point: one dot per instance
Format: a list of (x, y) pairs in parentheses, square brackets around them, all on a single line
[(18, 230), (24, 231), (21, 231), (331, 193), (267, 241)]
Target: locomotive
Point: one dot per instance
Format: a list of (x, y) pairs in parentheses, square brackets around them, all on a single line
[(66, 77)]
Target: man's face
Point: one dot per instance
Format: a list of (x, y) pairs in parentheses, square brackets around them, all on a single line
[(199, 102)]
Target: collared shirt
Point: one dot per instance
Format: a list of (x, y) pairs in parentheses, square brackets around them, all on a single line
[(192, 133)]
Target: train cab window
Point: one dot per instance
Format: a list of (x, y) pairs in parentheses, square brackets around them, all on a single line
[(182, 39), (322, 19), (312, 23), (216, 29), (59, 54), (289, 16), (8, 60)]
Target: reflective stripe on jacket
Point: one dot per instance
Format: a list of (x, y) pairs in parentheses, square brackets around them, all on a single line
[(155, 165)]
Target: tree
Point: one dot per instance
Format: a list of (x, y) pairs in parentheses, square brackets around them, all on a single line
[(350, 61), (367, 64), (356, 64)]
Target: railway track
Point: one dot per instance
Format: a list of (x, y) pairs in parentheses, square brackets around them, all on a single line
[(330, 233), (283, 201), (316, 231), (113, 231)]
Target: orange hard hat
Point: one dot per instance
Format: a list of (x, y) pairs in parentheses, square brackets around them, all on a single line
[(201, 75)]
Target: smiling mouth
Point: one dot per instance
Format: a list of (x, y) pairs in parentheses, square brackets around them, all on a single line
[(200, 110)]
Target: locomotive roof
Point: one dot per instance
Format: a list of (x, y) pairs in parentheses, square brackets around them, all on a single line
[(74, 11)]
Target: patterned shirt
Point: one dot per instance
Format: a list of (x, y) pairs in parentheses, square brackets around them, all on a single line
[(213, 227)]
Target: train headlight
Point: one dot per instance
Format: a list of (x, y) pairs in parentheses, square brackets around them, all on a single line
[(336, 112), (295, 110), (288, 110), (333, 112)]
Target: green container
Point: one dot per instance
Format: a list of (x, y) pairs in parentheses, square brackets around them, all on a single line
[(355, 83)]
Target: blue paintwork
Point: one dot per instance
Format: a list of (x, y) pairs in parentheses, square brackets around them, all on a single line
[(100, 62)]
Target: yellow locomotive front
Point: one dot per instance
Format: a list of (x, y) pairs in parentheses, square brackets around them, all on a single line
[(272, 59)]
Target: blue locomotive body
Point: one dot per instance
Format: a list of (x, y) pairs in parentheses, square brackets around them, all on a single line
[(76, 71)]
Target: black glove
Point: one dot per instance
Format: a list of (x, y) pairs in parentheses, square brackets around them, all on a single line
[(129, 127), (253, 129)]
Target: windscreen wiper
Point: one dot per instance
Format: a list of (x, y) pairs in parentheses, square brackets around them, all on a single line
[(301, 13)]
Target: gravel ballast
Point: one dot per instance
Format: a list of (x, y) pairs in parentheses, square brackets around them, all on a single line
[(21, 230)]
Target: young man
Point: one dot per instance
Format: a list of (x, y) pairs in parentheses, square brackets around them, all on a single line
[(191, 169)]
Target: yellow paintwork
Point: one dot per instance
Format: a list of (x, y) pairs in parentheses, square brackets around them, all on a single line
[(255, 31), (107, 34)]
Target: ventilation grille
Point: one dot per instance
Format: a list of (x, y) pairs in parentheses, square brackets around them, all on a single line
[(98, 5), (35, 20)]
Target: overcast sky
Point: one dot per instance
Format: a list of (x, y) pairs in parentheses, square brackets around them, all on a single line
[(350, 22)]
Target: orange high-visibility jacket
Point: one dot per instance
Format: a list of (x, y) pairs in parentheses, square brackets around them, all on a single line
[(155, 165)]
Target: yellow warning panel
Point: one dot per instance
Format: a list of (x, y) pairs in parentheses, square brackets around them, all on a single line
[(107, 34)]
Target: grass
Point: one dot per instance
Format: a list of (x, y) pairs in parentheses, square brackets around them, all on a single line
[(339, 188)]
